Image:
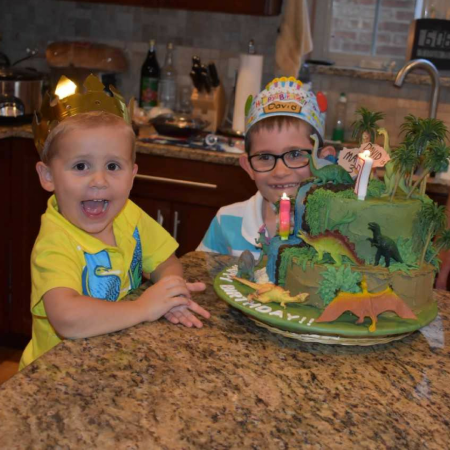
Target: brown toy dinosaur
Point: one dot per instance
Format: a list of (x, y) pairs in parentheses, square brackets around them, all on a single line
[(269, 292), (366, 304)]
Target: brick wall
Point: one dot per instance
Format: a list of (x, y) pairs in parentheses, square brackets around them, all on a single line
[(353, 22)]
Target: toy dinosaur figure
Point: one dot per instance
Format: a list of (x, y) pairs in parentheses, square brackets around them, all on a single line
[(269, 292), (246, 265), (334, 243), (334, 173), (263, 241), (389, 174), (385, 246), (366, 304)]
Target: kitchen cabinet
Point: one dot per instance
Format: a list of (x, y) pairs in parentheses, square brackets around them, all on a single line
[(184, 195), (25, 201), (251, 7)]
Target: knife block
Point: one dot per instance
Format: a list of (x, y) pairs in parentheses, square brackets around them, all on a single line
[(209, 107)]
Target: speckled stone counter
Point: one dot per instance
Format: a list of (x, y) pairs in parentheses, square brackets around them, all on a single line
[(170, 151), (231, 384)]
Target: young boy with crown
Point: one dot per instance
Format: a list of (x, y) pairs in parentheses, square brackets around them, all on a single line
[(94, 244), (278, 128)]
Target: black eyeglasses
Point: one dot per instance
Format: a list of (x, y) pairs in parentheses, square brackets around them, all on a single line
[(294, 159)]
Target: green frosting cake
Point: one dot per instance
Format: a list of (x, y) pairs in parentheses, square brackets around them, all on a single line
[(335, 221)]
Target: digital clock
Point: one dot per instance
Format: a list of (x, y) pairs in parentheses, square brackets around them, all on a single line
[(430, 39)]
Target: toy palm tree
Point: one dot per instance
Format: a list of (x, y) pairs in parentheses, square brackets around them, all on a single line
[(431, 220), (404, 158), (420, 133), (442, 243), (364, 129), (434, 160)]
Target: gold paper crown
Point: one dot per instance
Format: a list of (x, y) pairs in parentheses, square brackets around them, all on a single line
[(61, 106)]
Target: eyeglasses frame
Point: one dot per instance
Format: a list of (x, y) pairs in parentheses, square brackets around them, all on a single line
[(277, 157)]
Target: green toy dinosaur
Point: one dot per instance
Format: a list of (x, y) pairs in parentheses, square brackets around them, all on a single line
[(389, 174), (385, 246), (263, 241), (334, 173), (334, 243), (269, 292)]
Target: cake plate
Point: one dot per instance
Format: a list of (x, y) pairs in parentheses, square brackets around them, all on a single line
[(299, 321)]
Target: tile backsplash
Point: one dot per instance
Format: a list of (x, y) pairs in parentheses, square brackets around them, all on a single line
[(212, 36)]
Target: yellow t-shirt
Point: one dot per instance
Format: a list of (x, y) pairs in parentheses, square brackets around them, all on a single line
[(66, 256)]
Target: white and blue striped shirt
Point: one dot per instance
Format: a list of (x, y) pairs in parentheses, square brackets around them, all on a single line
[(235, 228)]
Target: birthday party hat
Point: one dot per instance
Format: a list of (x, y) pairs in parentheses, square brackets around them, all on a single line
[(287, 97)]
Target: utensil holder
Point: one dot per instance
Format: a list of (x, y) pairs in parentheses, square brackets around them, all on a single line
[(209, 107)]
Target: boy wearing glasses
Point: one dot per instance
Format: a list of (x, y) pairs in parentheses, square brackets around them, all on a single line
[(279, 124)]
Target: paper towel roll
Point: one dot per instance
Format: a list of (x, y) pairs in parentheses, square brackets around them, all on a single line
[(248, 82)]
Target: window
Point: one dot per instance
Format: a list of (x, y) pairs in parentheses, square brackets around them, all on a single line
[(351, 31)]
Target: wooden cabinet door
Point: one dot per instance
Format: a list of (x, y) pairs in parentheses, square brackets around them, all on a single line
[(5, 235), (160, 210), (190, 223), (29, 202)]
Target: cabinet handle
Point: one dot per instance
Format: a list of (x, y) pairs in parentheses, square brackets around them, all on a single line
[(159, 217), (176, 181), (176, 222)]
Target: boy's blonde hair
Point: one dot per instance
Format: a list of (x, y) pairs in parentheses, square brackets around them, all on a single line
[(275, 122), (89, 120)]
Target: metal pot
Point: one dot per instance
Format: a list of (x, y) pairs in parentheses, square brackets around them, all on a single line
[(20, 93)]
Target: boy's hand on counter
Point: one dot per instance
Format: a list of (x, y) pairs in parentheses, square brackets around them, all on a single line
[(182, 314), (171, 297)]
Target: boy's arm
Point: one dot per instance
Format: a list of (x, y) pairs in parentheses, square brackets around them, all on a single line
[(75, 316)]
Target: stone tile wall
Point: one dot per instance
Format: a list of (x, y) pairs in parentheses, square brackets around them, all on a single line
[(383, 96), (214, 37)]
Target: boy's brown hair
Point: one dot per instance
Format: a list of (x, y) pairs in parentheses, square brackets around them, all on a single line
[(271, 123), (93, 119)]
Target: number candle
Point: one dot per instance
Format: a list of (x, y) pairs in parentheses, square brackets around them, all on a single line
[(364, 167), (285, 217)]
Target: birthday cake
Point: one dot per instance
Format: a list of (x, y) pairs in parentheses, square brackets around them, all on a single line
[(359, 255)]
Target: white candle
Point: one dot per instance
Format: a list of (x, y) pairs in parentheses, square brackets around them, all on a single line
[(364, 167)]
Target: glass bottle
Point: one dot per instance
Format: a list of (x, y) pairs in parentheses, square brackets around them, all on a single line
[(150, 74), (339, 124), (167, 92)]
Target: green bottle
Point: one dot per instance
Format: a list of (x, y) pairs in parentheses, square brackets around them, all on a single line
[(150, 74)]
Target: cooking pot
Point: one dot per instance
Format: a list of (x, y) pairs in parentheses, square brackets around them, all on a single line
[(20, 93)]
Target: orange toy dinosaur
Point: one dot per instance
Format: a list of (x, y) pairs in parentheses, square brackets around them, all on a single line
[(269, 292), (366, 304)]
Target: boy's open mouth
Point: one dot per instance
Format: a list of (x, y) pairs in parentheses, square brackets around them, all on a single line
[(94, 207)]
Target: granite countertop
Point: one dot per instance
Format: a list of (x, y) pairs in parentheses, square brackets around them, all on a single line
[(171, 151), (231, 384)]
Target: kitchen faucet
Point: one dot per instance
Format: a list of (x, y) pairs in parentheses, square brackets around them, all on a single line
[(435, 82)]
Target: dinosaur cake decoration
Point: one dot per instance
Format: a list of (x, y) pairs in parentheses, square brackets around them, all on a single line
[(343, 260)]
